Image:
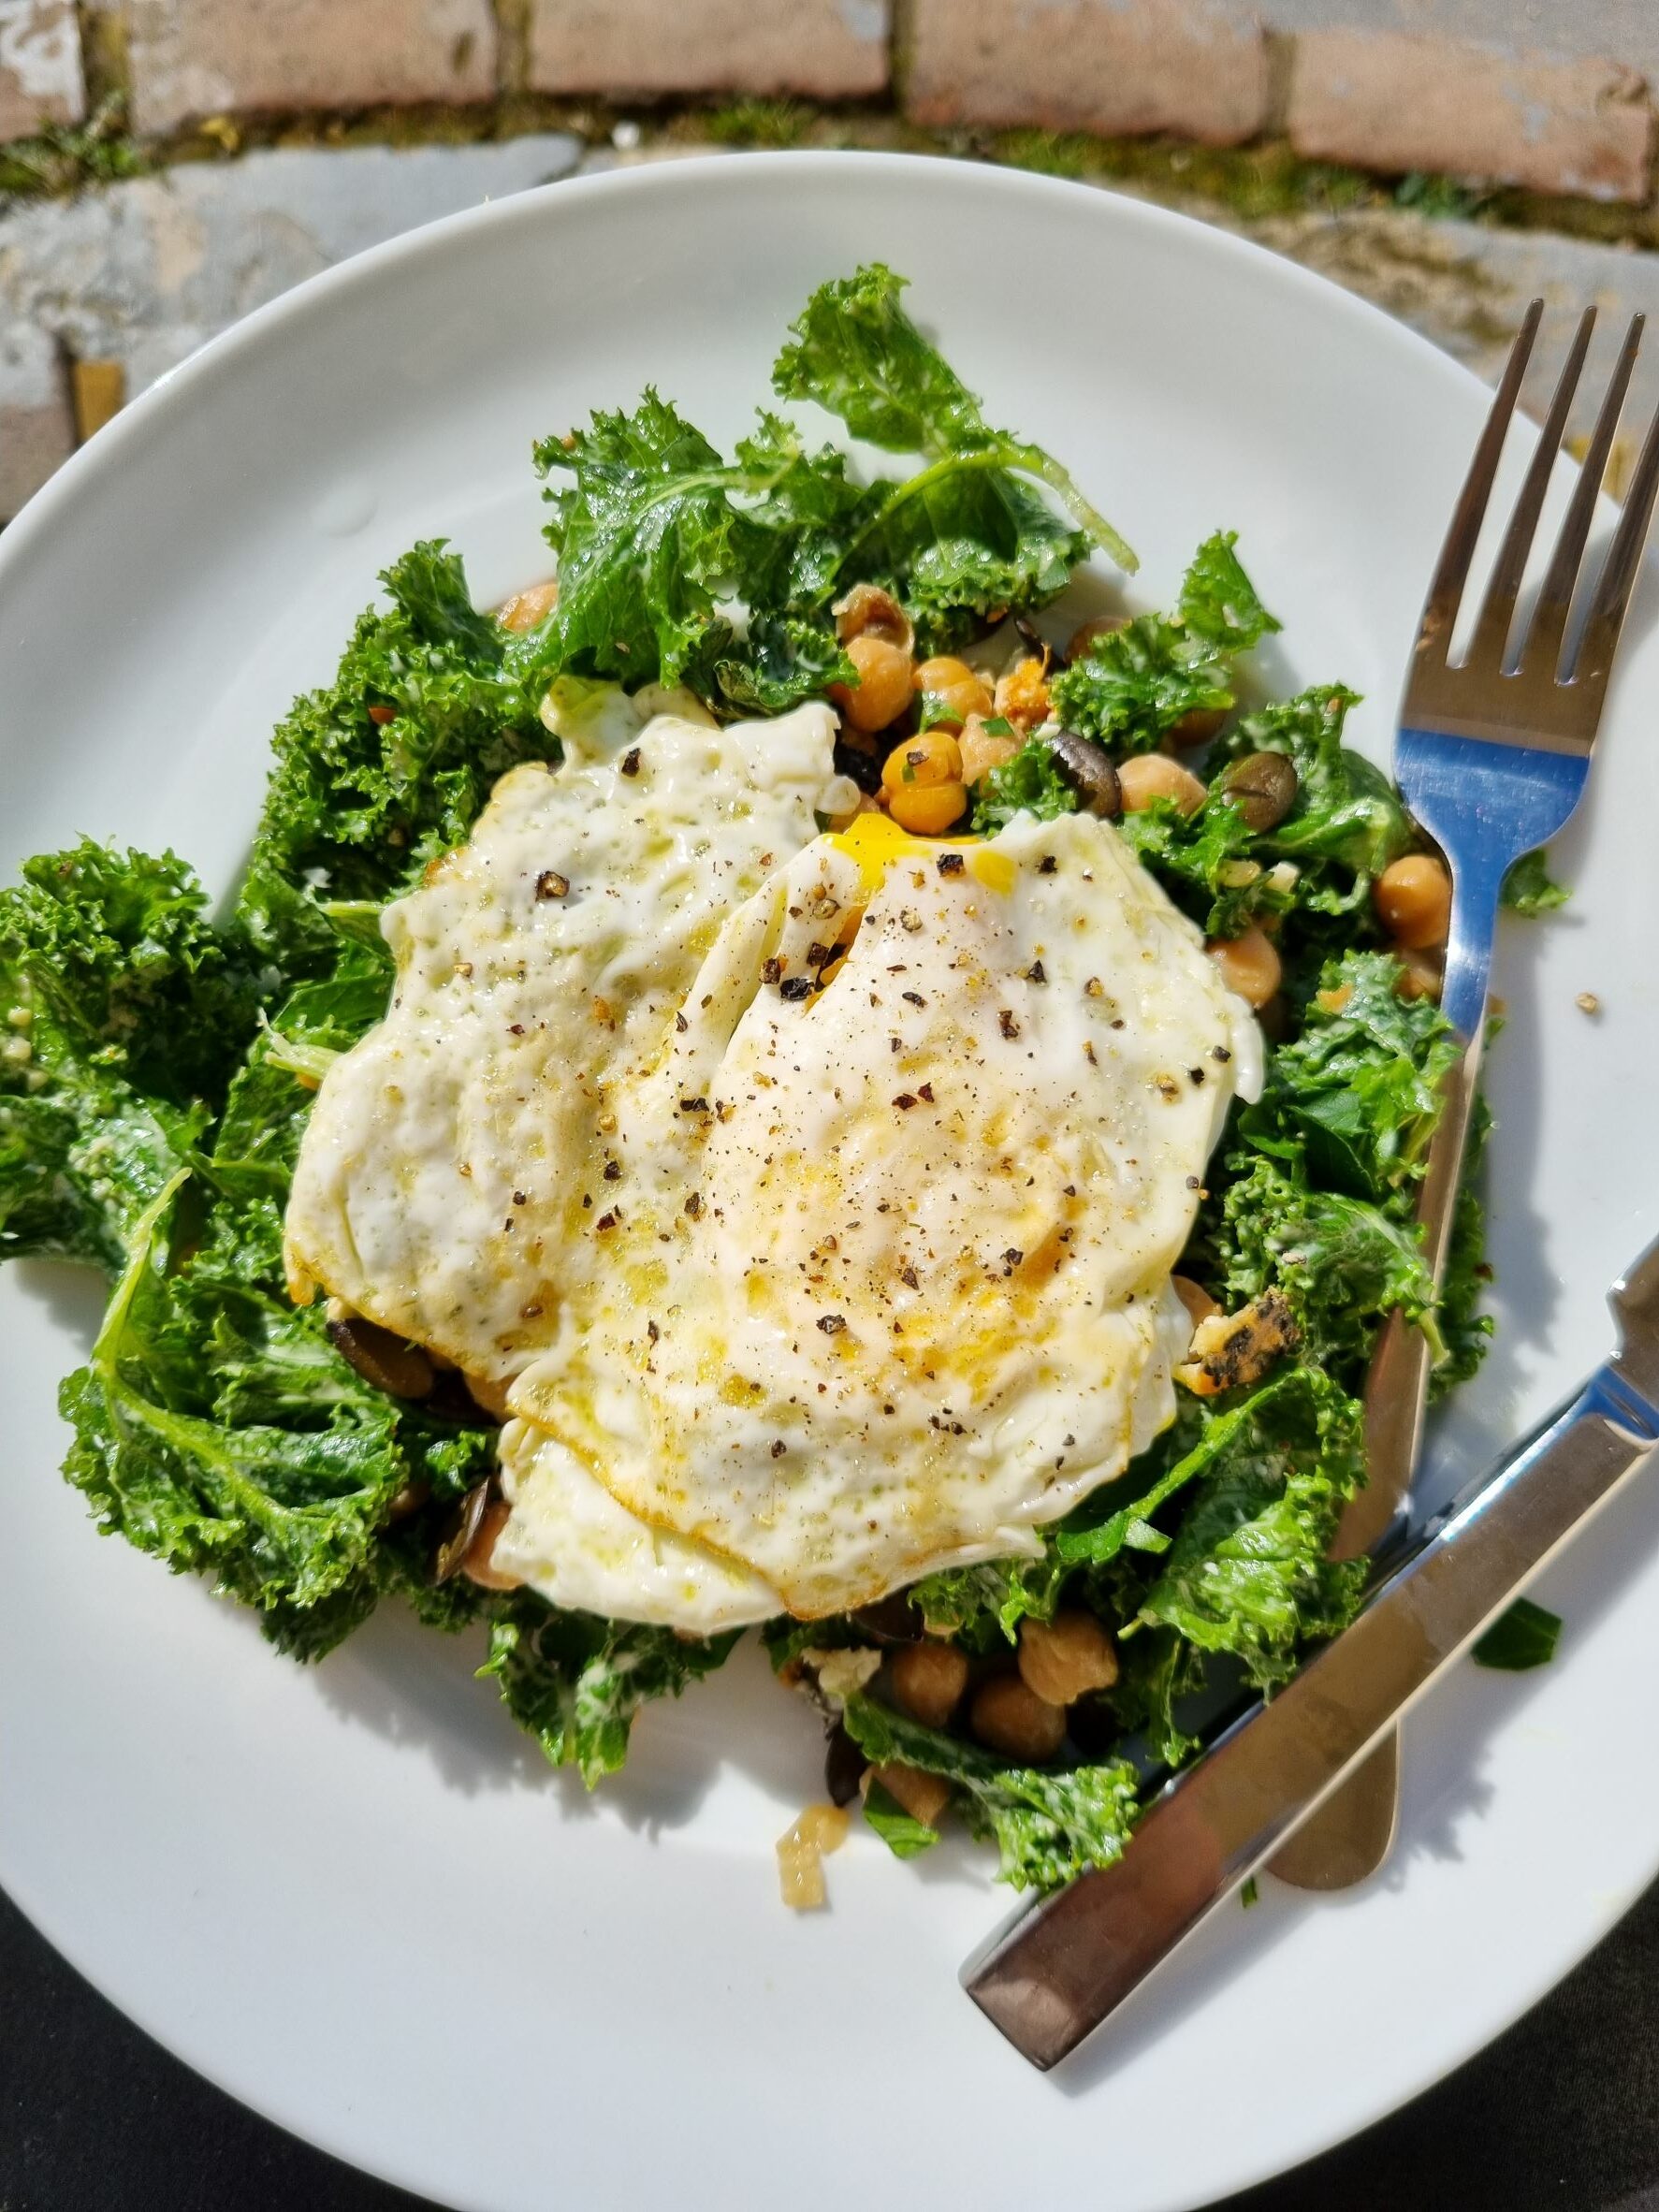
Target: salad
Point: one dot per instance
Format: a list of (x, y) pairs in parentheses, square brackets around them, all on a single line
[(166, 1073)]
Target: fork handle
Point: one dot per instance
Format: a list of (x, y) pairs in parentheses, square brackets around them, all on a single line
[(1352, 1833), (1397, 1381), (1397, 1386)]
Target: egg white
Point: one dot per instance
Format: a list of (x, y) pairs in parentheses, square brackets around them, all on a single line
[(819, 1201), (456, 1158), (888, 1288)]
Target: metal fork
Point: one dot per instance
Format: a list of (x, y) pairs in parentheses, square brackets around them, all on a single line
[(1492, 756)]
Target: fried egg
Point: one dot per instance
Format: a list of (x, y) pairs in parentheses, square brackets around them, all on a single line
[(837, 1249), (456, 1158), (888, 1276)]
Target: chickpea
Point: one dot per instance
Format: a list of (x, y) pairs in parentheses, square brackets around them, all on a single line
[(1249, 964), (883, 688), (1424, 975), (1084, 637), (479, 1564), (931, 756), (1021, 695), (490, 1397), (943, 670), (1148, 775), (928, 1680), (1008, 1716), (1195, 1297), (983, 750), (1065, 1658), (524, 610), (923, 1797), (952, 706), (1412, 901), (867, 611), (927, 809), (1197, 727)]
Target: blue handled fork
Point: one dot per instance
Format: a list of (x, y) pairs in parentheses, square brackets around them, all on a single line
[(1492, 756)]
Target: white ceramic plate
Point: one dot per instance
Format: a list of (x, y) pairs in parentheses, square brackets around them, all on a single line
[(354, 1896)]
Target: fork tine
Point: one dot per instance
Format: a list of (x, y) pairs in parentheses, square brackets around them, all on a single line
[(1445, 592), (1497, 612), (1550, 616), (1594, 656)]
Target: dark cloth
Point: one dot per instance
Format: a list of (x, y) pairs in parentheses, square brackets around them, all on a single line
[(1562, 2115)]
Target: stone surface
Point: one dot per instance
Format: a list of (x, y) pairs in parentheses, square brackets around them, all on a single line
[(37, 422), (828, 48), (1588, 30), (1391, 101), (143, 272), (1182, 65), (191, 58), (40, 78)]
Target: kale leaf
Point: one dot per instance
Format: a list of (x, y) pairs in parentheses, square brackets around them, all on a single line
[(968, 538), (278, 1515), (1343, 1262), (1345, 810), (1464, 1329), (1247, 1572), (1028, 783), (1219, 602), (1357, 1095), (781, 661), (390, 764), (1204, 1440), (124, 1010), (644, 538), (982, 1606), (1047, 1825), (1529, 889), (1135, 683), (1202, 860), (904, 1835), (575, 1681), (1523, 1638), (857, 354)]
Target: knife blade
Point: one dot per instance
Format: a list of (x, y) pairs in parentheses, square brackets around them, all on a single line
[(1067, 1963)]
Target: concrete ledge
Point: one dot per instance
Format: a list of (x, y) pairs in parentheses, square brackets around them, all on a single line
[(1387, 101), (191, 58), (41, 73), (37, 421), (1089, 65), (828, 50)]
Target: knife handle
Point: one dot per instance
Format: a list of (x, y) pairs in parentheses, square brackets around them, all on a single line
[(1069, 1961)]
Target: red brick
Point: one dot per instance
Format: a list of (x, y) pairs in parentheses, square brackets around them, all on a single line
[(41, 80), (1098, 66), (828, 48), (192, 58), (1388, 101)]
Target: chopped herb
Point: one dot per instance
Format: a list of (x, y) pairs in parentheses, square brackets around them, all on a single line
[(1523, 1638)]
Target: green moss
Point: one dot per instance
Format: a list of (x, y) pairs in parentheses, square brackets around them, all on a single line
[(757, 123), (63, 158), (1254, 181), (1441, 197)]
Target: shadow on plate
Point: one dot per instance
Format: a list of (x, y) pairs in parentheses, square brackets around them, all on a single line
[(73, 1297), (413, 1687)]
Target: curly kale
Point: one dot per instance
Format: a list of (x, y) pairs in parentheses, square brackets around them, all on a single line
[(1047, 1825), (1136, 683), (575, 1681)]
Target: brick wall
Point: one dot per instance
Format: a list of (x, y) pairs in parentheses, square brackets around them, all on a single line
[(1555, 95)]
